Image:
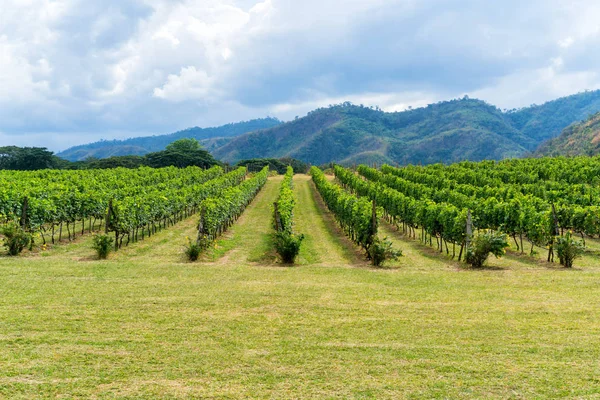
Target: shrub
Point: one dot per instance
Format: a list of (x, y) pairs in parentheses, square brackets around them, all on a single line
[(485, 244), (381, 250), (15, 239), (103, 245), (287, 246), (568, 249), (192, 250)]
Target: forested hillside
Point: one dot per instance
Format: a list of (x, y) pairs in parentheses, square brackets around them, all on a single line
[(450, 131), (547, 121), (576, 140), (463, 129), (210, 138)]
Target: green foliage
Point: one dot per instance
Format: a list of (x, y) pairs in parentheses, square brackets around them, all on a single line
[(103, 244), (354, 214), (576, 140), (184, 145), (381, 250), (446, 132), (27, 158), (15, 238), (287, 245), (279, 165), (285, 203), (568, 249), (143, 145), (543, 122), (193, 249), (485, 244), (219, 212), (181, 153), (112, 162)]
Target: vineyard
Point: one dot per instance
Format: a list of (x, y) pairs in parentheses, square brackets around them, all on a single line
[(344, 316)]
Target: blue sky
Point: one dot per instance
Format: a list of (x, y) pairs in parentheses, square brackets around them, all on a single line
[(75, 71)]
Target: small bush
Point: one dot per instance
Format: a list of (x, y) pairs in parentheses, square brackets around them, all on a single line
[(568, 249), (103, 244), (381, 250), (485, 244), (192, 250), (15, 239), (287, 246)]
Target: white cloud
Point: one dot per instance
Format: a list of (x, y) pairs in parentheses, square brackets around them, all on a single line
[(87, 67)]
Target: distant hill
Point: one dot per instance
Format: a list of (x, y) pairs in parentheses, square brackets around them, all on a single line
[(449, 131), (542, 122), (210, 138), (576, 140)]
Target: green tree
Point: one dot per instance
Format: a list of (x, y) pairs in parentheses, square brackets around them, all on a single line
[(184, 145)]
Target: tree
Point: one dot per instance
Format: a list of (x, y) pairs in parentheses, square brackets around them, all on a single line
[(184, 145), (26, 158), (181, 153)]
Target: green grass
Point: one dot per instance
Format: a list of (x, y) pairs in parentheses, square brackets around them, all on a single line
[(148, 324)]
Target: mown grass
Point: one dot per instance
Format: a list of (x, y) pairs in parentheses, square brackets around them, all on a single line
[(148, 324)]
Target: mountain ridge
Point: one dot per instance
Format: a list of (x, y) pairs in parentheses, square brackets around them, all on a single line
[(210, 138), (447, 131)]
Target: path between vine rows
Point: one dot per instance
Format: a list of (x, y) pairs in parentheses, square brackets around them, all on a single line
[(249, 240)]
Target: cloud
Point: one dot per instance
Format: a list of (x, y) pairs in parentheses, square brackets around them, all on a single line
[(77, 70)]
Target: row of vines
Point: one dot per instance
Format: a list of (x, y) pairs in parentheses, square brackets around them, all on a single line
[(287, 244), (540, 201)]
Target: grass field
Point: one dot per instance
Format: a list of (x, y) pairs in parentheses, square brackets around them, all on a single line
[(148, 324)]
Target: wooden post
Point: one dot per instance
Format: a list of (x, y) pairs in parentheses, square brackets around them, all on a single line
[(374, 219), (201, 230), (469, 229), (23, 221), (108, 215), (554, 234), (278, 224), (555, 220)]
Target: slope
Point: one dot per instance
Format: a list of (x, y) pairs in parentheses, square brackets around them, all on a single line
[(211, 138), (446, 131), (547, 121), (576, 140)]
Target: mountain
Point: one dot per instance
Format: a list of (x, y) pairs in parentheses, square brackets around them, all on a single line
[(345, 133), (547, 121), (449, 131), (576, 140), (210, 138)]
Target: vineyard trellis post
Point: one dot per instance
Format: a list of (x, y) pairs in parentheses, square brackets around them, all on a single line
[(555, 232), (201, 227), (278, 224), (108, 215), (469, 232), (23, 221)]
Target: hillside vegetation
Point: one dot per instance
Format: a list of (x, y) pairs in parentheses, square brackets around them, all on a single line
[(450, 131), (576, 140), (462, 129), (210, 138)]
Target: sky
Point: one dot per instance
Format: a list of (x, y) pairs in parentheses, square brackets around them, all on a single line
[(77, 71)]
